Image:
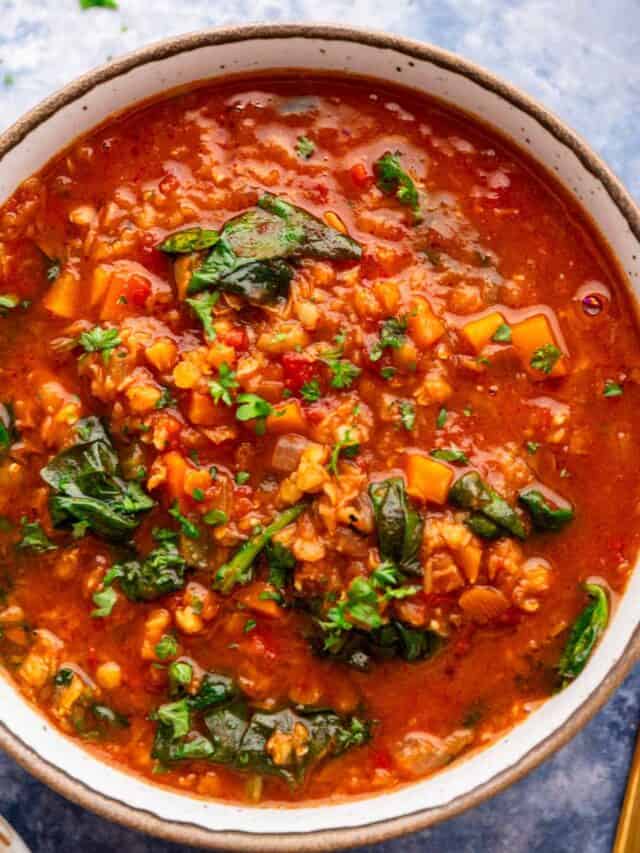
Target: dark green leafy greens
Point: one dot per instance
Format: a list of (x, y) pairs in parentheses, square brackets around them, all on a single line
[(252, 253), (34, 538), (8, 432), (450, 454), (87, 486), (251, 740), (584, 634), (281, 564), (392, 180), (162, 571), (202, 305), (471, 492), (239, 569), (361, 649), (543, 515), (399, 525), (189, 240)]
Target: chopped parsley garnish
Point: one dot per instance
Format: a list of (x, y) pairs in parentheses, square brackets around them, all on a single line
[(392, 179), (202, 306), (180, 673), (407, 414), (441, 420), (502, 334), (545, 358), (104, 600), (343, 372), (392, 336), (63, 677), (197, 495), (253, 407), (532, 446), (167, 647), (310, 391), (347, 446), (165, 400), (189, 529), (221, 388), (242, 477), (305, 147), (249, 625), (100, 340), (215, 517), (8, 302), (388, 372), (450, 454), (612, 389)]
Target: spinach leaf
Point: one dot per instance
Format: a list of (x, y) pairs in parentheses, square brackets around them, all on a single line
[(87, 486), (543, 515), (450, 454), (189, 240), (471, 492), (250, 256), (361, 649), (202, 306), (239, 569), (281, 564), (483, 526), (34, 538), (162, 571), (585, 633), (399, 525)]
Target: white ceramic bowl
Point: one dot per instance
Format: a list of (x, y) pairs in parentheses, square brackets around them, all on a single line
[(30, 143)]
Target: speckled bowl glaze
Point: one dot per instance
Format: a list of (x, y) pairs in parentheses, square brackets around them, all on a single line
[(30, 143)]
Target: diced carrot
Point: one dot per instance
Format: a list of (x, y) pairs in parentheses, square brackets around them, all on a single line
[(99, 285), (114, 306), (528, 337), (388, 295), (483, 603), (196, 478), (176, 466), (142, 397), (424, 327), (360, 175), (428, 479), (162, 355), (333, 221), (203, 411), (479, 332), (287, 417), (251, 599), (62, 297)]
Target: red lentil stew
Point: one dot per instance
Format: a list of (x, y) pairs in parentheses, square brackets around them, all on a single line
[(320, 406)]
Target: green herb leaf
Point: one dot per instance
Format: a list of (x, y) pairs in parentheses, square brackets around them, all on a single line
[(159, 573), (585, 633), (347, 446), (532, 446), (95, 4), (450, 454), (100, 340), (545, 358), (167, 647), (202, 306), (253, 407), (502, 334), (393, 180), (189, 529), (612, 389), (544, 517), (215, 517), (392, 336), (63, 677), (104, 600), (189, 240), (310, 391), (305, 147), (34, 538), (242, 477), (471, 492), (407, 414), (442, 418), (398, 524), (180, 673), (249, 625), (221, 388), (165, 400)]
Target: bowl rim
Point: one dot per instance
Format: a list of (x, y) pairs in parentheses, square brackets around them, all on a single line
[(80, 792)]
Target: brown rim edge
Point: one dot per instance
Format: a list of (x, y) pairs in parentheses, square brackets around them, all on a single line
[(78, 791)]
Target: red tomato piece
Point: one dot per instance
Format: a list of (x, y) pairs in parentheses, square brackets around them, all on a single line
[(297, 369)]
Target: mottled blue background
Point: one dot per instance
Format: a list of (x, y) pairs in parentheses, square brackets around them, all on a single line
[(581, 59)]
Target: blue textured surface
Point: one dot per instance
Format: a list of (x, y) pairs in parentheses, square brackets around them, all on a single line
[(578, 57)]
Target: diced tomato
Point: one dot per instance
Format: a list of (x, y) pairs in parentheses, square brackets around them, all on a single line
[(319, 193), (138, 290), (360, 175), (297, 369), (237, 338), (382, 759)]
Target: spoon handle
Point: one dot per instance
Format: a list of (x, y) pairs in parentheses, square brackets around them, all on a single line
[(628, 834)]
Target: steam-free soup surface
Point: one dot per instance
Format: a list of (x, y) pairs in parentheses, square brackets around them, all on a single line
[(319, 433)]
